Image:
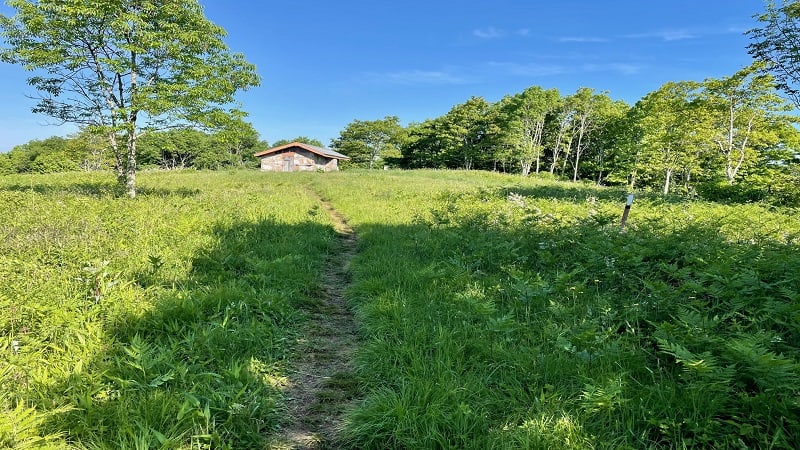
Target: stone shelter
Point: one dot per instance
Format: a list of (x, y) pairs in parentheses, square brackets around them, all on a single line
[(299, 157)]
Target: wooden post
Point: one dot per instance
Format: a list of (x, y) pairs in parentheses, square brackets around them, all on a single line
[(626, 211)]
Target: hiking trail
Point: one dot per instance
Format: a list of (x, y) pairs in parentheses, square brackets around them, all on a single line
[(321, 381)]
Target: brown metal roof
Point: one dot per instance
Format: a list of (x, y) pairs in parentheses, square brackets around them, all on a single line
[(322, 151)]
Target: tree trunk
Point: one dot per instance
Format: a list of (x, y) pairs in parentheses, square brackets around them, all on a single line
[(526, 168), (556, 150), (602, 167), (578, 151), (537, 142), (119, 162), (582, 131), (130, 169), (667, 181)]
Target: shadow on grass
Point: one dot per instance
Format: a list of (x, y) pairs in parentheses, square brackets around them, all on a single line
[(478, 336), (494, 336), (580, 193), (96, 189), (204, 362)]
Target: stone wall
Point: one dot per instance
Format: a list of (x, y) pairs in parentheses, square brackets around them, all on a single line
[(297, 160)]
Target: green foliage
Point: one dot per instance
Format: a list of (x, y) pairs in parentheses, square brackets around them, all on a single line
[(745, 116), (775, 43), (117, 67), (370, 142), (494, 312), (509, 313), (161, 323), (171, 149), (681, 138), (668, 145), (20, 428), (525, 115), (303, 139)]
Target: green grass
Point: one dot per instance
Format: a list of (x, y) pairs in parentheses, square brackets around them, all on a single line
[(494, 311), (509, 313), (164, 322)]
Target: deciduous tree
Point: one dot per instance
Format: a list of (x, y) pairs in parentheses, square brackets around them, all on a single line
[(742, 109), (303, 139), (124, 66), (467, 131), (669, 142), (368, 141), (524, 129), (777, 44)]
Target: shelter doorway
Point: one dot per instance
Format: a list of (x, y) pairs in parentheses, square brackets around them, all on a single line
[(288, 164)]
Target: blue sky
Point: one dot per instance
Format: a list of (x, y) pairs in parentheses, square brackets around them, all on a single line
[(326, 63)]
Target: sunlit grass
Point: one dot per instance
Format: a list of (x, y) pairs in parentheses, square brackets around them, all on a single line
[(494, 311), (514, 313), (162, 322)]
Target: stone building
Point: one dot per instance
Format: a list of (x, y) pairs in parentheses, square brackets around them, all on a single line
[(299, 157)]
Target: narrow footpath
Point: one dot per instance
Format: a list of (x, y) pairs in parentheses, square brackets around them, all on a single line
[(321, 382)]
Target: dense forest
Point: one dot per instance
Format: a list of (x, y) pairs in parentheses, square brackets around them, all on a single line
[(732, 137)]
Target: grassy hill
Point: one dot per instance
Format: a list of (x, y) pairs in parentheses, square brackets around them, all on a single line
[(493, 312)]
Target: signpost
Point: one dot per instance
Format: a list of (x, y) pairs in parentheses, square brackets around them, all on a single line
[(626, 211)]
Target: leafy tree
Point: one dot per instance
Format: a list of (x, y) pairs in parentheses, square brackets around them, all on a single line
[(92, 150), (5, 164), (609, 134), (182, 148), (53, 154), (561, 143), (743, 109), (237, 137), (588, 113), (123, 66), (622, 151), (423, 146), (21, 156), (370, 141), (303, 139), (776, 178), (526, 114), (582, 123), (468, 131), (777, 44), (669, 143), (53, 163), (81, 151)]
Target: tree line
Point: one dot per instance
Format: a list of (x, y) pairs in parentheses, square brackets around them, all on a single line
[(727, 137), (179, 148)]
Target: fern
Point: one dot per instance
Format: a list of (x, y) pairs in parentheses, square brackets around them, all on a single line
[(761, 368), (20, 428)]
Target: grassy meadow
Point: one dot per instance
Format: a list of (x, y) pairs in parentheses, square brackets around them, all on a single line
[(493, 311)]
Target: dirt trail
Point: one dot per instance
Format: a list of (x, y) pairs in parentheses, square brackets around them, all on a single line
[(321, 382)]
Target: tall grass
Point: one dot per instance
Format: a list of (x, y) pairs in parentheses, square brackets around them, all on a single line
[(495, 312), (164, 322), (510, 313)]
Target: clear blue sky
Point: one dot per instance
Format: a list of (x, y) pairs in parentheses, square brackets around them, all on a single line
[(326, 63)]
